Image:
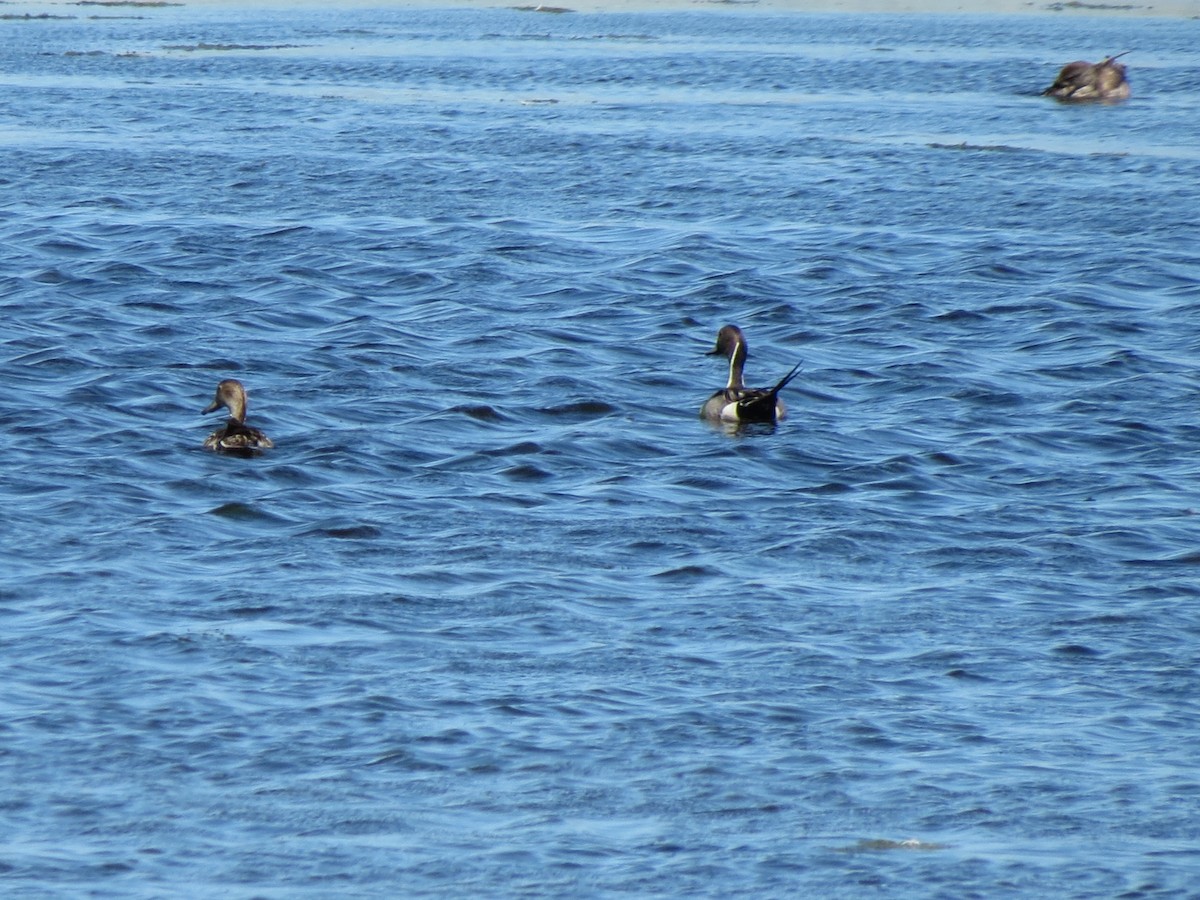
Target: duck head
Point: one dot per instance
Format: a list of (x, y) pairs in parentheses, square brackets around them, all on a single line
[(731, 344), (232, 396)]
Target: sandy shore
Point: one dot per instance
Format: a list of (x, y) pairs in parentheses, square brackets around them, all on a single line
[(1176, 8)]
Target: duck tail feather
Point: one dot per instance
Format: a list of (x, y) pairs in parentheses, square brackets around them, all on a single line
[(783, 382)]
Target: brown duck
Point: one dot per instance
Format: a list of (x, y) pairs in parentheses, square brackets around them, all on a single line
[(236, 436), (1081, 80)]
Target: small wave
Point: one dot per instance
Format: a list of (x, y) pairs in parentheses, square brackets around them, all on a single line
[(688, 573), (1077, 650), (348, 532), (987, 148), (1187, 558), (527, 472), (585, 409), (521, 448), (481, 413), (243, 512), (204, 46), (883, 845)]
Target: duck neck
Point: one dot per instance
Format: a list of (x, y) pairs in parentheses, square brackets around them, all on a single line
[(737, 361)]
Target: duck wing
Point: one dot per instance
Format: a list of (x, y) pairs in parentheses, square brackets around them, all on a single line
[(238, 438)]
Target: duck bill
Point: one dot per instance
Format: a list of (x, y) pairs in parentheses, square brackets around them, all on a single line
[(215, 405)]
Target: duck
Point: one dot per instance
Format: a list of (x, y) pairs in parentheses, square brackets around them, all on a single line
[(236, 436), (735, 402), (1082, 80)]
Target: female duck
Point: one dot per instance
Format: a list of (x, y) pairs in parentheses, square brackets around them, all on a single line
[(236, 436), (1091, 81), (736, 402)]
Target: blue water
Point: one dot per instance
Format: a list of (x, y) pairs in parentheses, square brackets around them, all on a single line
[(499, 615)]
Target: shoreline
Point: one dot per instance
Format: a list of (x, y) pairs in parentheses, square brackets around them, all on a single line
[(1160, 8), (1188, 9)]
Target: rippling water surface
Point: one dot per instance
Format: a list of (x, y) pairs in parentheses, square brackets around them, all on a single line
[(500, 615)]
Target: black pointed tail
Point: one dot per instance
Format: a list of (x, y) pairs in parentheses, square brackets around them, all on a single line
[(783, 382), (761, 407)]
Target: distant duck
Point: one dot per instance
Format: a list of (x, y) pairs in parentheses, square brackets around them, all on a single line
[(236, 436), (1091, 81), (736, 402)]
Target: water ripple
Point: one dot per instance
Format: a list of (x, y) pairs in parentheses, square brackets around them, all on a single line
[(499, 612)]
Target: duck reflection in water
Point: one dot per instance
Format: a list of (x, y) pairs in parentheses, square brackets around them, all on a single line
[(1080, 80), (236, 437)]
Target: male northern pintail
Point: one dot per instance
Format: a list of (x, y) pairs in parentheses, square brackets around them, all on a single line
[(1081, 80), (236, 436), (735, 402)]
